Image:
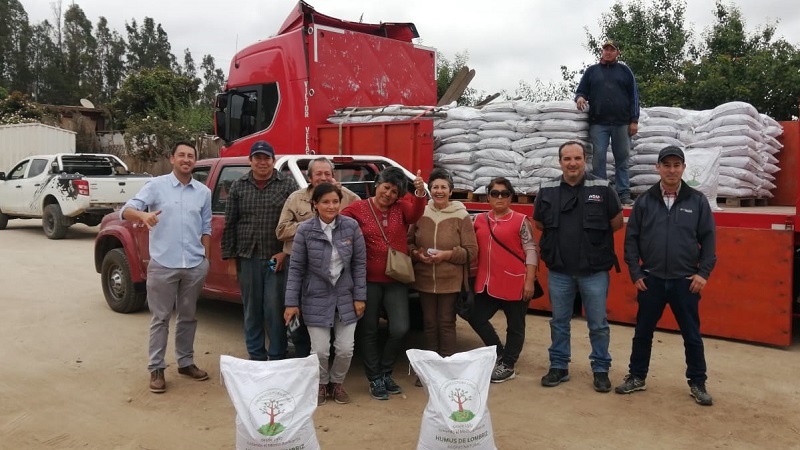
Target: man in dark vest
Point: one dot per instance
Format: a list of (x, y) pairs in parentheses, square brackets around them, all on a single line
[(578, 214)]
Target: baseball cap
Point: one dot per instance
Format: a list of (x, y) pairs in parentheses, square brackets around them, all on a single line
[(612, 43), (671, 151), (262, 147)]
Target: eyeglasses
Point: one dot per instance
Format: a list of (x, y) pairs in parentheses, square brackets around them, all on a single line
[(499, 194)]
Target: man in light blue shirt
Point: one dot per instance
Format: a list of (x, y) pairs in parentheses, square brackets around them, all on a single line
[(177, 211)]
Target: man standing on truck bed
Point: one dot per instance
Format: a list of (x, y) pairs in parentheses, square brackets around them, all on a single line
[(177, 211), (670, 249), (578, 214), (298, 209), (609, 89), (254, 252)]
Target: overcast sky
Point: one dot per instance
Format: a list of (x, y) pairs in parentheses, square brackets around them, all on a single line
[(507, 40)]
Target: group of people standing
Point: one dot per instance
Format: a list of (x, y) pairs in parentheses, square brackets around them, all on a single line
[(313, 260)]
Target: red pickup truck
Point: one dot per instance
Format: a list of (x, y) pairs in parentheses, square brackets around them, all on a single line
[(121, 250)]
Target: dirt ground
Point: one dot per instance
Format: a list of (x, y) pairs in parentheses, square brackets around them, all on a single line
[(74, 376)]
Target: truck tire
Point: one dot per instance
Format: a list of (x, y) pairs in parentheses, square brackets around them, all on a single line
[(3, 221), (119, 290), (53, 222)]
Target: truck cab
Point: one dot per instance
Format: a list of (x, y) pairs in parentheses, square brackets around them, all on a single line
[(284, 88)]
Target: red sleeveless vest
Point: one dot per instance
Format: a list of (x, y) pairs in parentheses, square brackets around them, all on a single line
[(500, 274)]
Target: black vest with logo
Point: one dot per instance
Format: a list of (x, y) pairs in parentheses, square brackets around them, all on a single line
[(597, 239)]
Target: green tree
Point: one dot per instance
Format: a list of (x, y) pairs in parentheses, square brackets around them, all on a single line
[(447, 70), (189, 69), (17, 108), (48, 82), (15, 35), (148, 46), (156, 108), (213, 80), (80, 56), (737, 66), (110, 60)]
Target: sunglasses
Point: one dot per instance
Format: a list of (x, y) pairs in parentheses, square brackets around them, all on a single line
[(499, 194)]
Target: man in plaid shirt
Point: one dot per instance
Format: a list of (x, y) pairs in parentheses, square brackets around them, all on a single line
[(254, 252)]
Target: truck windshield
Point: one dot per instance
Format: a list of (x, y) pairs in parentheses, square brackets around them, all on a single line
[(249, 109)]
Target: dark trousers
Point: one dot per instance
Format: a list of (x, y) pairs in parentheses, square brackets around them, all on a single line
[(484, 309), (684, 305), (263, 309), (393, 298), (439, 321)]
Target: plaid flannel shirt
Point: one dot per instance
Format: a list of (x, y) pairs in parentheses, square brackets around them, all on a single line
[(251, 216)]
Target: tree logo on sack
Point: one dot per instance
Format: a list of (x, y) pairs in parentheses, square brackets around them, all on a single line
[(694, 171), (270, 408), (464, 394)]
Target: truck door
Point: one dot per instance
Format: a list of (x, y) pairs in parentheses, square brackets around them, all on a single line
[(34, 186), (218, 281), (11, 189)]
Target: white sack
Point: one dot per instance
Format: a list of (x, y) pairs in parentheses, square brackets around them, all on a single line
[(457, 414), (702, 173), (274, 401)]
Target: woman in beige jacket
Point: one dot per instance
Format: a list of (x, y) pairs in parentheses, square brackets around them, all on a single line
[(442, 242)]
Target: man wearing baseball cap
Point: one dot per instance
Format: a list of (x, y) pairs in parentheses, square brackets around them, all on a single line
[(608, 89), (254, 252), (670, 252)]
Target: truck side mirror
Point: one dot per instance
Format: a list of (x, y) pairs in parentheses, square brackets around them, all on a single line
[(221, 101), (2, 176), (220, 125)]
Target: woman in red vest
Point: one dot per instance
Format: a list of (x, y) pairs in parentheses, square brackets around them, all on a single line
[(507, 260)]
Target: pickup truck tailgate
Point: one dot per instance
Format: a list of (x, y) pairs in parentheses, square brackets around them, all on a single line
[(115, 189)]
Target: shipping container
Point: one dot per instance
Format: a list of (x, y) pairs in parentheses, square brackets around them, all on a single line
[(19, 141)]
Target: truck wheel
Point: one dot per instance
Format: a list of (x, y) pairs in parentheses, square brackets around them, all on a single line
[(120, 293), (53, 222), (3, 221)]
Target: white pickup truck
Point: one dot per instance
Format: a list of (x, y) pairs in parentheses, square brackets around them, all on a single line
[(64, 189)]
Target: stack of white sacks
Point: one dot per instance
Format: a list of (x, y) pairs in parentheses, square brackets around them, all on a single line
[(730, 150)]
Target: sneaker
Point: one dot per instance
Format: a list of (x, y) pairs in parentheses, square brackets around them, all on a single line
[(378, 390), (601, 382), (554, 377), (391, 386), (322, 394), (631, 383), (158, 384), (626, 201), (701, 396), (339, 394), (502, 373), (193, 372)]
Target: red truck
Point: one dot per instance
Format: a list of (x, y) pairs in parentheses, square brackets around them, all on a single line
[(121, 249), (283, 89)]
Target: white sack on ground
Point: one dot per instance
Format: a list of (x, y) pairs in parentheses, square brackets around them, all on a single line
[(274, 401), (457, 415)]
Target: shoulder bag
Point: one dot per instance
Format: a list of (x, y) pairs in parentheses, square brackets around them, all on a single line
[(398, 264), (537, 288)]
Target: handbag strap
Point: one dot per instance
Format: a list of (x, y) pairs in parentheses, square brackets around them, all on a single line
[(379, 223), (489, 224)]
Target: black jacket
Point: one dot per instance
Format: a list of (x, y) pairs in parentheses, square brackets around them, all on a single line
[(674, 243)]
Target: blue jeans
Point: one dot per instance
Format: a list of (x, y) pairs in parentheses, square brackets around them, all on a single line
[(263, 308), (684, 305), (594, 290), (393, 298), (620, 147)]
